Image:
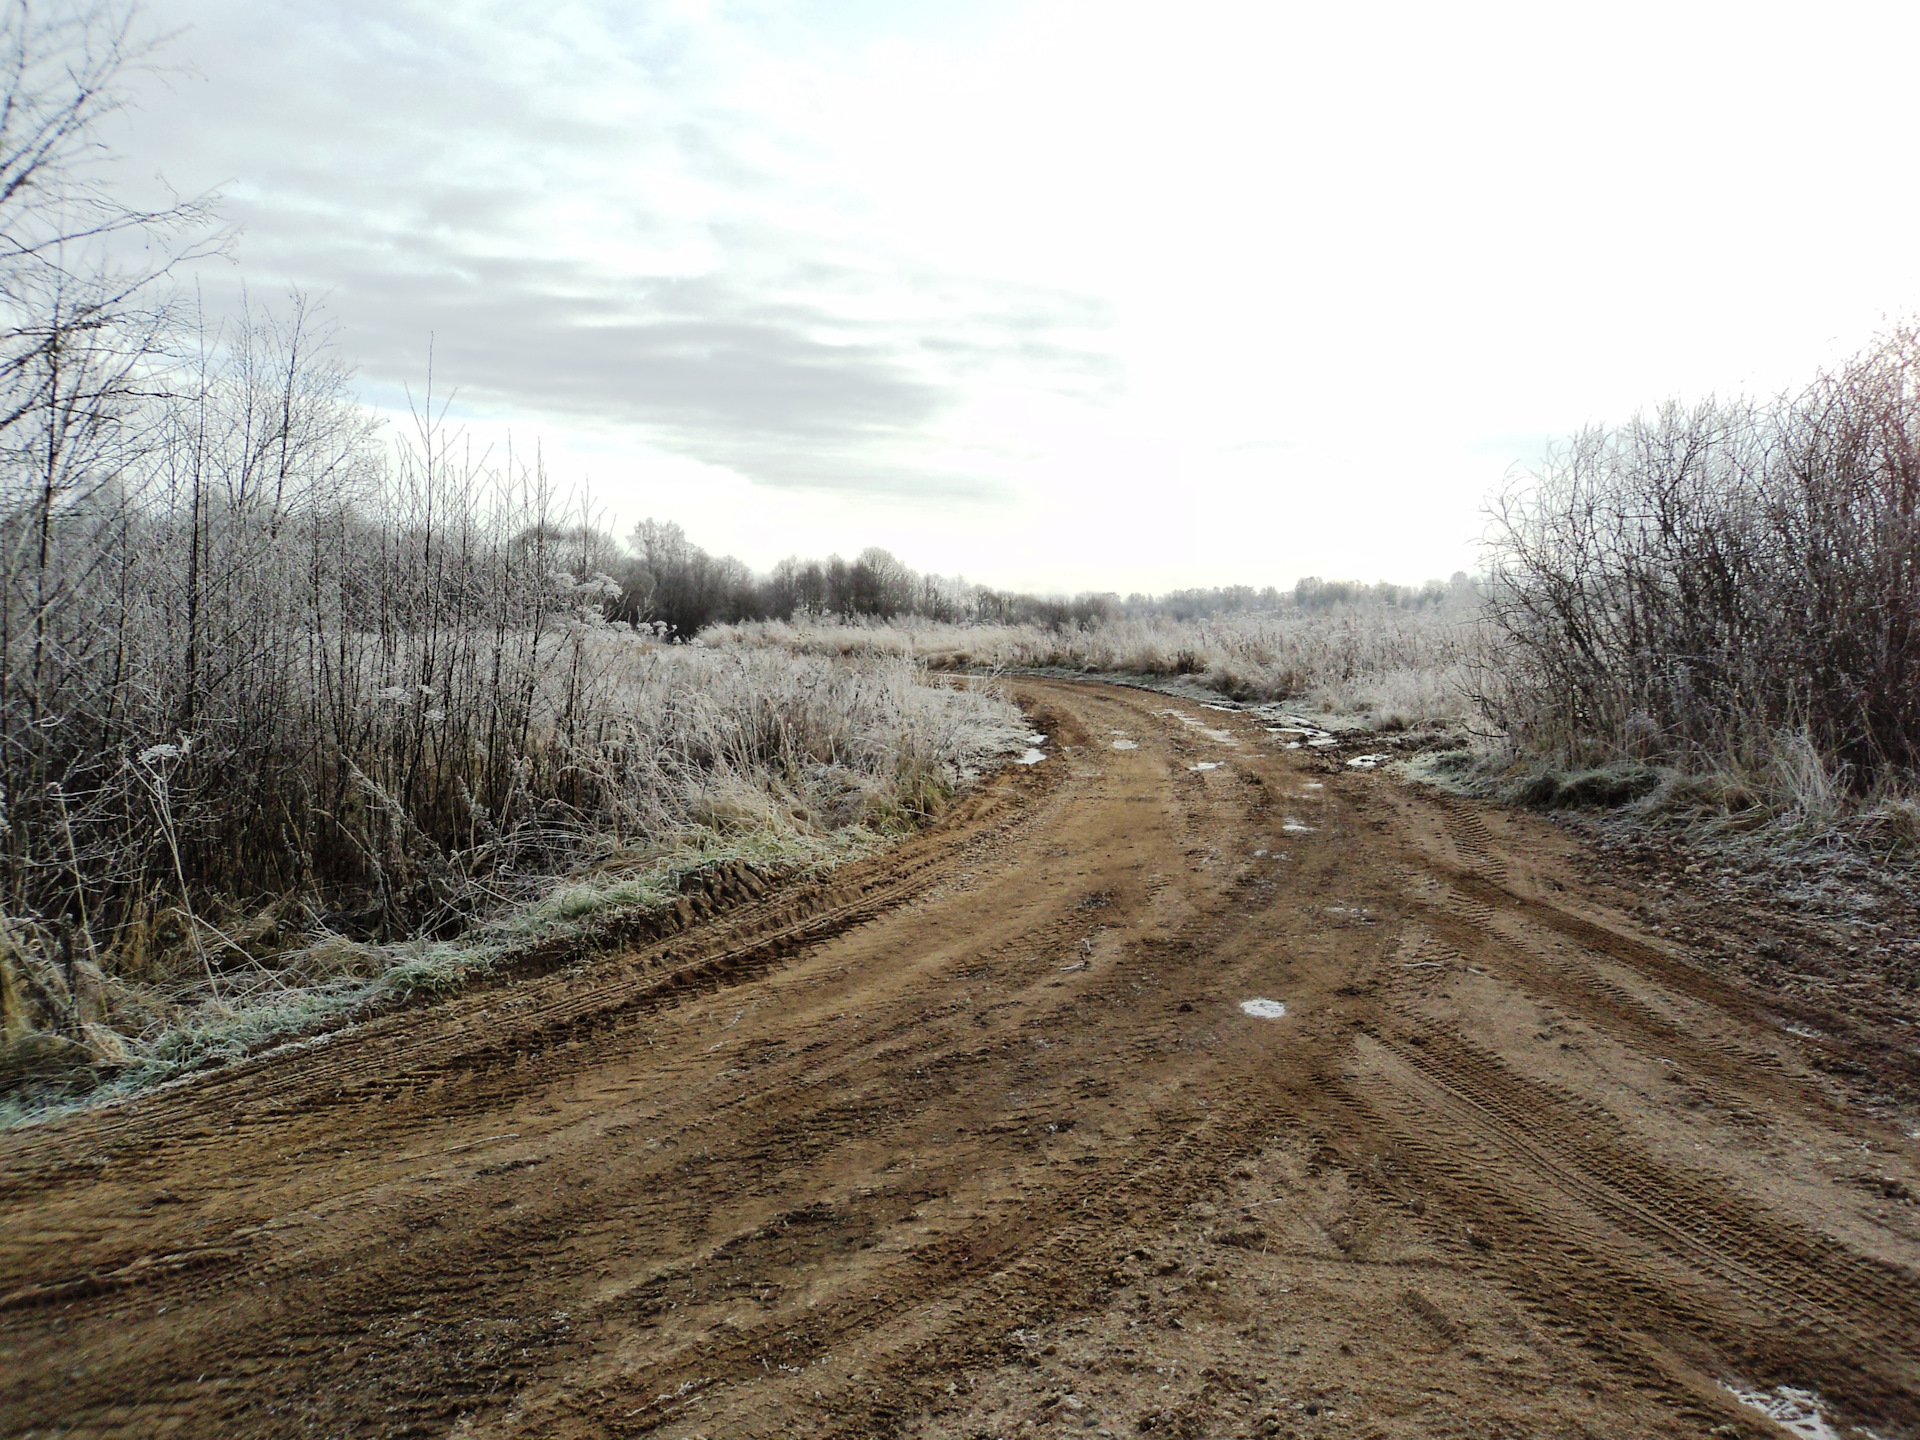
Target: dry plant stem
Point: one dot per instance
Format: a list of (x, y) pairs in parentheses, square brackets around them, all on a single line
[(156, 784), (79, 884)]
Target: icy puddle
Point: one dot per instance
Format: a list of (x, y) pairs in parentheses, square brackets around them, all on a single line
[(1220, 737), (1125, 745), (1265, 1010), (1295, 827), (1798, 1412), (1206, 765), (1032, 757), (1300, 731), (1367, 762)]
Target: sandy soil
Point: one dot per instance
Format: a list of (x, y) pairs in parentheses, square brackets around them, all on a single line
[(976, 1140)]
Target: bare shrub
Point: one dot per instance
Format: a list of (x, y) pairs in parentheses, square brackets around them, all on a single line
[(1726, 586)]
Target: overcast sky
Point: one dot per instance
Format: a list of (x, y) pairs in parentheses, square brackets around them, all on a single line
[(1058, 295)]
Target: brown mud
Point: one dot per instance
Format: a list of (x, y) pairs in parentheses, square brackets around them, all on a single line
[(974, 1139)]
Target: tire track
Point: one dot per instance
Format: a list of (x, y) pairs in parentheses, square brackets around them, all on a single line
[(829, 1159)]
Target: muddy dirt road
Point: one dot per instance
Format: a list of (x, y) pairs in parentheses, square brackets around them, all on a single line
[(978, 1140)]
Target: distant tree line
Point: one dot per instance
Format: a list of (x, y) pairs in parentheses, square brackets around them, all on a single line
[(1313, 593), (673, 585)]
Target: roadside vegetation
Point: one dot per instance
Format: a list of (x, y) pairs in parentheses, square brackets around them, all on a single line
[(1392, 666), (1713, 612), (297, 718)]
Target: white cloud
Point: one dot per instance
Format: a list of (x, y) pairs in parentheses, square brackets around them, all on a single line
[(1065, 292)]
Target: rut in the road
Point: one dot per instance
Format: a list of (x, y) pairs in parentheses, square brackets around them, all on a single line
[(978, 1127)]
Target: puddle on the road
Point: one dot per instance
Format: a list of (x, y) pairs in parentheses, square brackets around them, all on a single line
[(1206, 765), (1125, 745), (1263, 1009), (1295, 827), (1367, 762), (1798, 1412), (1220, 737), (1032, 757)]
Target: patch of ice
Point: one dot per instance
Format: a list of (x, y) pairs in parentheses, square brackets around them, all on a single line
[(1295, 827), (1032, 757), (1206, 765), (1230, 709), (1311, 785), (1798, 1412), (1293, 745), (1036, 738), (1294, 725), (1224, 737), (1263, 1009), (1259, 854), (1323, 740), (1367, 762), (1125, 745)]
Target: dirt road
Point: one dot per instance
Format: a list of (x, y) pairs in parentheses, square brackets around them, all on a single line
[(978, 1140)]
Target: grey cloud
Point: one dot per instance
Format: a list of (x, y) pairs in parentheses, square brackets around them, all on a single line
[(728, 375), (402, 173)]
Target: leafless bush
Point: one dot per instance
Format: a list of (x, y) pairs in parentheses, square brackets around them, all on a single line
[(1730, 586)]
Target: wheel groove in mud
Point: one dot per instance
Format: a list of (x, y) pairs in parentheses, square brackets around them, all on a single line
[(807, 1165)]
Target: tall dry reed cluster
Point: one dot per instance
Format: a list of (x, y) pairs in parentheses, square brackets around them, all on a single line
[(1729, 588)]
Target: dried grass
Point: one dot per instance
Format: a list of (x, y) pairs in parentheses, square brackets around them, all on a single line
[(700, 759), (1396, 667)]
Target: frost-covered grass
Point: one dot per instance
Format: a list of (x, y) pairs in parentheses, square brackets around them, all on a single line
[(788, 763), (1396, 666), (1781, 811)]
